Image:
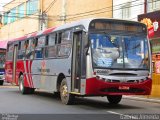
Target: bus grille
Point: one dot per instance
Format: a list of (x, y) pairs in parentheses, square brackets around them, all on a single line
[(116, 90)]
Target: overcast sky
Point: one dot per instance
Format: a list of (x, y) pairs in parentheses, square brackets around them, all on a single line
[(3, 2)]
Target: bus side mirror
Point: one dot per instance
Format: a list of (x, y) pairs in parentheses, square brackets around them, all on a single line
[(87, 51)]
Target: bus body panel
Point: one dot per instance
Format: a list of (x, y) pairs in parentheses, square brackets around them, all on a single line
[(45, 72)]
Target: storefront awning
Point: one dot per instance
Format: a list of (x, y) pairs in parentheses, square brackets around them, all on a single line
[(3, 44)]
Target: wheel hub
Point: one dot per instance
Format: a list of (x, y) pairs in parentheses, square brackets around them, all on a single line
[(64, 91)]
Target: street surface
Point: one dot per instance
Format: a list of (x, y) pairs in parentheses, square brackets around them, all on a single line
[(13, 102)]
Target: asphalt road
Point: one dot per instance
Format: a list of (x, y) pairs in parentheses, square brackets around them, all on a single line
[(45, 105)]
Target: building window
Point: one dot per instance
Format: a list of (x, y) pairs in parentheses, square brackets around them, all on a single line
[(32, 6), (153, 5), (21, 11), (12, 15), (5, 19), (126, 12)]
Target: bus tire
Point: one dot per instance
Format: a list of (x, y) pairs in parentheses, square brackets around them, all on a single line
[(31, 90), (22, 88), (114, 99), (1, 82), (66, 97)]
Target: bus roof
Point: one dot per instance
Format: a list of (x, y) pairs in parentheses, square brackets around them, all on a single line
[(84, 22)]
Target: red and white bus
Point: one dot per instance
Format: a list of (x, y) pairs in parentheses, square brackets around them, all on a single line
[(91, 57)]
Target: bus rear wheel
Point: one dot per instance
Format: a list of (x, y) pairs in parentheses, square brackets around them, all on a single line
[(22, 88), (114, 99), (1, 82), (66, 97)]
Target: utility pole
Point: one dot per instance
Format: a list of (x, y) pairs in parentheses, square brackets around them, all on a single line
[(43, 17), (63, 15), (145, 6)]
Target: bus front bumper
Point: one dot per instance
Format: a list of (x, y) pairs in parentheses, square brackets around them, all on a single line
[(102, 88)]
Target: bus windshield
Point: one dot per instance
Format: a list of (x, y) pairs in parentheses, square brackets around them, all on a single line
[(121, 51)]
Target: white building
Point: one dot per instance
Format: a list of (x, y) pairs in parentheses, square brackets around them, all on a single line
[(130, 9)]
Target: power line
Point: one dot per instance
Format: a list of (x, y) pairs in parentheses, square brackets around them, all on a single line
[(85, 13), (19, 3), (90, 13), (50, 6), (47, 9), (119, 5), (102, 11), (30, 17), (11, 3)]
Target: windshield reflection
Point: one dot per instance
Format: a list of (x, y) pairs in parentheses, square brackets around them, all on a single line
[(119, 51)]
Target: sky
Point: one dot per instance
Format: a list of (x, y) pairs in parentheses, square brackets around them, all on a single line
[(3, 2)]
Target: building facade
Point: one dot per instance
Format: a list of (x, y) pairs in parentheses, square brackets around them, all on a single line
[(22, 17), (127, 9)]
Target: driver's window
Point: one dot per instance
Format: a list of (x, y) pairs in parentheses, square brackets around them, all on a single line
[(101, 41)]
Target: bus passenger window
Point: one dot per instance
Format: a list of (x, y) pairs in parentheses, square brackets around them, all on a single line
[(39, 53), (19, 45), (50, 50), (21, 50), (10, 52), (66, 37), (51, 39), (30, 49), (40, 47), (64, 50), (59, 38)]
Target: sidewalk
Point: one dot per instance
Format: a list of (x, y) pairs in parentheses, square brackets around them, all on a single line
[(143, 98)]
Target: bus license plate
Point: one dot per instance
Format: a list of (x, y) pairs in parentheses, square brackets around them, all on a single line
[(123, 88)]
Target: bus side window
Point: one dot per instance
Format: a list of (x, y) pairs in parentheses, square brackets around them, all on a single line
[(19, 45), (64, 48), (10, 52), (59, 38), (30, 49), (50, 50), (21, 50), (40, 47), (66, 36)]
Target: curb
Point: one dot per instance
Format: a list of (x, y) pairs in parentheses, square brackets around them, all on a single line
[(142, 99)]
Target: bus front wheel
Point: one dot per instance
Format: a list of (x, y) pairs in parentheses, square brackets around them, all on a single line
[(114, 99), (66, 97)]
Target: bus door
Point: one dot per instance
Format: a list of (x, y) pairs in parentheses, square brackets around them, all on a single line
[(15, 51), (76, 61)]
